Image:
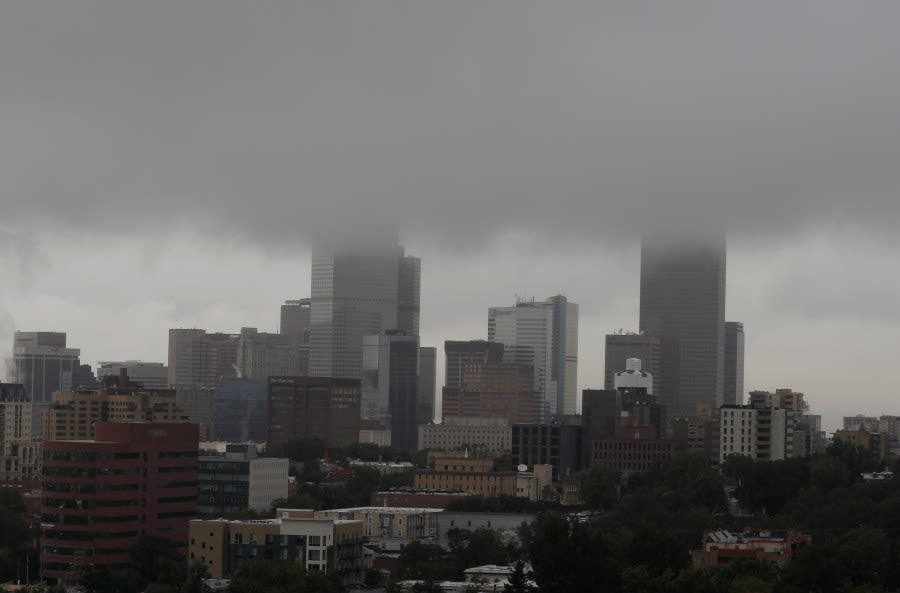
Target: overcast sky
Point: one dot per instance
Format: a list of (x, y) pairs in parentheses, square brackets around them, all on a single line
[(166, 164)]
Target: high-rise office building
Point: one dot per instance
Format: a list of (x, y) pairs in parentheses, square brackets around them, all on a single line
[(683, 304), (44, 365), (545, 336), (295, 319), (622, 346), (152, 375), (494, 390), (390, 384), (239, 411), (261, 355), (302, 407), (733, 391), (460, 353), (425, 398), (200, 358), (357, 292)]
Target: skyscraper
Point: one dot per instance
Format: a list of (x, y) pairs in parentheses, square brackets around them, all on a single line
[(733, 392), (425, 399), (295, 319), (458, 354), (357, 292), (390, 384), (683, 304), (44, 365), (545, 336), (199, 358)]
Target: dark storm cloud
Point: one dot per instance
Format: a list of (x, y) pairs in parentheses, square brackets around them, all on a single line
[(276, 120)]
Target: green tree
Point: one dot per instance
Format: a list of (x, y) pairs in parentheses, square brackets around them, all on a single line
[(518, 581), (600, 486)]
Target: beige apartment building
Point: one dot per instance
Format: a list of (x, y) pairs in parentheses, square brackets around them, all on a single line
[(330, 546), (72, 415), (19, 455)]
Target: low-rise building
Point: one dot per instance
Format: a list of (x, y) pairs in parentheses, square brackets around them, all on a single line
[(457, 432), (507, 524), (330, 546), (418, 499), (471, 477), (239, 480), (877, 443), (723, 547), (390, 528)]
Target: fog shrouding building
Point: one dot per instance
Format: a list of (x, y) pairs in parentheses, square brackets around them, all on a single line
[(302, 407), (733, 391), (152, 375), (356, 293), (545, 336), (683, 304), (200, 358), (622, 346)]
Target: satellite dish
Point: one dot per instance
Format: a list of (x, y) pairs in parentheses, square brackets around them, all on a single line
[(522, 467)]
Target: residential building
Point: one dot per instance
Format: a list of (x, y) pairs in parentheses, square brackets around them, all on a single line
[(295, 319), (721, 548), (73, 415), (458, 354), (545, 336), (624, 345), (152, 375), (494, 390), (733, 370), (876, 443), (101, 495), (261, 355), (19, 453), (457, 432), (426, 393), (390, 379), (683, 304), (44, 365), (329, 546), (200, 358), (390, 528), (314, 406), (239, 480), (359, 291), (558, 445), (860, 422), (758, 430)]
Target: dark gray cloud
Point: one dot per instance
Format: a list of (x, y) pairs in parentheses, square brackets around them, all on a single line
[(452, 121)]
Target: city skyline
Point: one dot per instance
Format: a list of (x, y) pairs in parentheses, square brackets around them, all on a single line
[(152, 185)]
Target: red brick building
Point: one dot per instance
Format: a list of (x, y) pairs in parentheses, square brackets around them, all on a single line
[(416, 499), (101, 496), (634, 454), (722, 547), (314, 406)]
